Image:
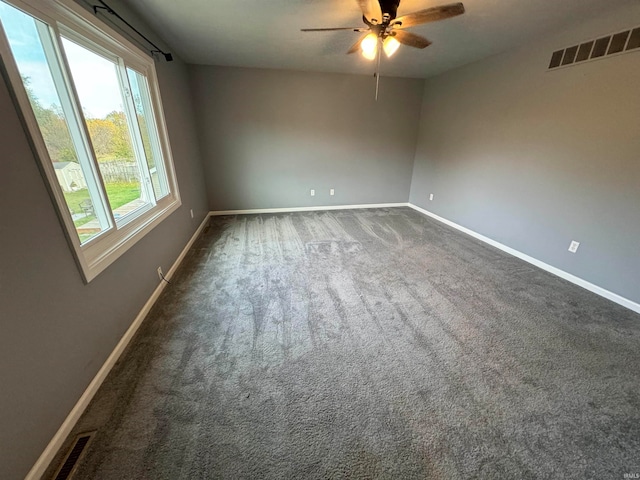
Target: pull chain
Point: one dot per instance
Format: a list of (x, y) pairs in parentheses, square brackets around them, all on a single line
[(378, 68)]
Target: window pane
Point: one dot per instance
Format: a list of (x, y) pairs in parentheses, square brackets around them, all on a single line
[(144, 115), (98, 86), (39, 67)]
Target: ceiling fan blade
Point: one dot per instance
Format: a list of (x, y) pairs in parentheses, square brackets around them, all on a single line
[(355, 29), (429, 15), (411, 39), (356, 46), (371, 9)]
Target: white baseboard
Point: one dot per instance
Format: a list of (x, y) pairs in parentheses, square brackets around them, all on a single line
[(63, 432), (306, 209), (614, 297)]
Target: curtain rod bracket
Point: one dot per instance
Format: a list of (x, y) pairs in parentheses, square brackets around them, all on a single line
[(167, 56)]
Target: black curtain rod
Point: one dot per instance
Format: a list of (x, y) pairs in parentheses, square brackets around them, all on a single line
[(167, 56)]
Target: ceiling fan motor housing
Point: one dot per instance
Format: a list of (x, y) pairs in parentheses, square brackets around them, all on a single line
[(390, 7)]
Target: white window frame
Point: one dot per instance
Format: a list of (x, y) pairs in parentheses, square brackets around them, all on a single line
[(69, 19)]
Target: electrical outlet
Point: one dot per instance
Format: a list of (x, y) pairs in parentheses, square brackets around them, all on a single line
[(191, 212), (313, 192), (160, 274), (332, 192), (431, 196), (573, 248)]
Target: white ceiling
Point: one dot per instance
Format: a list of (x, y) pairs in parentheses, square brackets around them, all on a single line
[(266, 33)]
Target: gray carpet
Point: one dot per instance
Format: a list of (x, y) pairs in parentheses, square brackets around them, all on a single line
[(368, 344)]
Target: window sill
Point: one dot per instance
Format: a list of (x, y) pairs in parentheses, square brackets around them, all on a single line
[(103, 251)]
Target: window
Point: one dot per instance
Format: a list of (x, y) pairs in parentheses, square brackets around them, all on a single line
[(91, 103)]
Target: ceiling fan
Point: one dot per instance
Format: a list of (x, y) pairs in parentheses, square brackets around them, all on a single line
[(384, 28)]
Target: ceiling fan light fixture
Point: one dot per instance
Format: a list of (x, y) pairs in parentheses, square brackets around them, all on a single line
[(390, 45), (369, 46)]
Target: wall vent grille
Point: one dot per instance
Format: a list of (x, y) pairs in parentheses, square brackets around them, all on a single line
[(613, 44), (72, 460)]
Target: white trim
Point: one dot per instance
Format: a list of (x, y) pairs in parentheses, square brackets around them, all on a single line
[(614, 297), (216, 213), (65, 429), (130, 234)]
